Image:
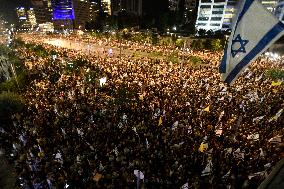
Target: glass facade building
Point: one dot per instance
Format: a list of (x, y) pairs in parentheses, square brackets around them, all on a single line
[(63, 10)]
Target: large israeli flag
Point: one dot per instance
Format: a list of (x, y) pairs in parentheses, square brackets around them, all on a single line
[(253, 32)]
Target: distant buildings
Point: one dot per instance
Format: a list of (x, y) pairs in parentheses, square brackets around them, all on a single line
[(188, 4), (70, 14), (211, 14), (26, 18), (173, 5), (129, 6), (81, 13), (63, 14), (43, 10), (31, 17), (218, 14), (106, 5)]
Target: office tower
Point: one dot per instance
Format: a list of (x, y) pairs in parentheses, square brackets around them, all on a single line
[(188, 4), (81, 13), (219, 14), (230, 11), (173, 5), (22, 18), (130, 6), (211, 14), (70, 14), (106, 5), (43, 10), (31, 17)]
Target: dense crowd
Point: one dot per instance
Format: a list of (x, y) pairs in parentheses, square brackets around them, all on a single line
[(92, 126)]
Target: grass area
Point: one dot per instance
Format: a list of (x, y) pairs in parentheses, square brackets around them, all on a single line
[(275, 74)]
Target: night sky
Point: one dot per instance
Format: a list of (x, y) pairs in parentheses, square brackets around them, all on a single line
[(7, 8)]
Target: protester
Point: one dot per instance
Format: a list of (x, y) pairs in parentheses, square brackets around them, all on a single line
[(91, 127)]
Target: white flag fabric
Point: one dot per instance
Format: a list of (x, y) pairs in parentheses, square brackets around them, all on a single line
[(249, 38), (276, 139), (208, 169), (185, 186), (103, 81), (278, 114), (139, 174), (253, 137)]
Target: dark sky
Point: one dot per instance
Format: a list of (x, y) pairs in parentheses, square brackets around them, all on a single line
[(7, 8)]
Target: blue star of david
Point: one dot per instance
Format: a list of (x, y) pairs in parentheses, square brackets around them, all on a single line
[(242, 42)]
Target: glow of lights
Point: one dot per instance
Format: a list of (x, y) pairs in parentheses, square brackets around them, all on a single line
[(63, 11)]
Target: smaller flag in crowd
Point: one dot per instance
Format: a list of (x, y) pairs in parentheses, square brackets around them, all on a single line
[(276, 139), (139, 174), (185, 186), (97, 177), (103, 81), (207, 109), (174, 126), (276, 83), (203, 147), (208, 169), (257, 119), (278, 114), (254, 137), (160, 121)]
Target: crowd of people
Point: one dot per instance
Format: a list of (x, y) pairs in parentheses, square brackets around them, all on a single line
[(181, 126)]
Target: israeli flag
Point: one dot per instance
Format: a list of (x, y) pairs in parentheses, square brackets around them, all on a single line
[(253, 32)]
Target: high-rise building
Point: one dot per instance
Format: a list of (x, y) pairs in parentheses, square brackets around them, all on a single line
[(230, 11), (81, 13), (22, 18), (211, 14), (70, 14), (173, 5), (26, 18), (190, 4), (94, 9), (218, 14), (63, 14), (279, 10), (130, 6), (43, 10), (106, 4), (31, 17)]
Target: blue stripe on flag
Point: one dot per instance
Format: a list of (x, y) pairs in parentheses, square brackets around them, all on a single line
[(278, 28), (222, 68), (244, 10)]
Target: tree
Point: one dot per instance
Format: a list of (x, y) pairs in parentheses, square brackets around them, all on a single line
[(201, 32), (10, 103), (216, 45)]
